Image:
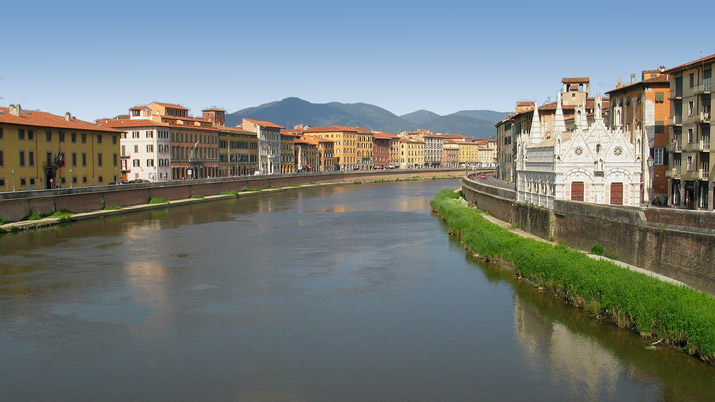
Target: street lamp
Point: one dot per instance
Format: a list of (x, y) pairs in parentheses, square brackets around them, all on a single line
[(13, 180)]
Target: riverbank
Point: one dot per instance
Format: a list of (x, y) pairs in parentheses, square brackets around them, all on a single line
[(155, 203), (671, 314)]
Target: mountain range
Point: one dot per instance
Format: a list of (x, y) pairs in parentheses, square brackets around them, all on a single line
[(291, 111)]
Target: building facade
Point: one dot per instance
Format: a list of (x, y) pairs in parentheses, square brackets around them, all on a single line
[(238, 152), (642, 109), (270, 145), (40, 150), (691, 159), (344, 144), (412, 153), (590, 163)]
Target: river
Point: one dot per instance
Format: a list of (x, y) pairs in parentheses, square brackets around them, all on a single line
[(351, 292)]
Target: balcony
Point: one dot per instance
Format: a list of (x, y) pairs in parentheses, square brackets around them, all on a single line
[(702, 118), (674, 146), (673, 95), (673, 173), (703, 89), (676, 120), (702, 174)]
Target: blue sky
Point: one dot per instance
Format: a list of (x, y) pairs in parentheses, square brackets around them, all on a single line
[(97, 60)]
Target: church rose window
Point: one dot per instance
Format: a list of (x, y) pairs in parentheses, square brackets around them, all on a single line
[(618, 151), (579, 151)]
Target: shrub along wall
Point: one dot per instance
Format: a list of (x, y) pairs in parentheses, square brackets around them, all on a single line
[(681, 316), (680, 252)]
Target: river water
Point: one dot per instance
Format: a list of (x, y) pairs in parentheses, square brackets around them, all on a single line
[(352, 292)]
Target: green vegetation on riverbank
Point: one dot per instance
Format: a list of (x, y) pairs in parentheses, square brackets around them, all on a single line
[(677, 315)]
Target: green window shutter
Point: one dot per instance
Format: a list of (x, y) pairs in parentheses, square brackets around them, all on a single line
[(659, 127)]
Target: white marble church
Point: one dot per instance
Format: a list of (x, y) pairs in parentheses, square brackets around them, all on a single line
[(590, 163)]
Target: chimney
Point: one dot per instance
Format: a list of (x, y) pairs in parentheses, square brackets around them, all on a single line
[(15, 110), (633, 78), (68, 116)]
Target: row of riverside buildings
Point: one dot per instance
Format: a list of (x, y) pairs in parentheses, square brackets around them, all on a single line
[(647, 142), (162, 142)]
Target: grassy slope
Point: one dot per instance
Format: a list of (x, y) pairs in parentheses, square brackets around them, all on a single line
[(680, 316)]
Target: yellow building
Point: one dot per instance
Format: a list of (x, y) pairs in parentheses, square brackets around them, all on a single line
[(364, 151), (40, 150), (412, 153), (287, 152), (344, 144), (238, 152), (468, 154)]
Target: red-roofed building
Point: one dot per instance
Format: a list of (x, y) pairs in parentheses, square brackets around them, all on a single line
[(642, 109), (692, 150), (386, 150), (364, 149), (40, 150), (345, 144), (270, 144)]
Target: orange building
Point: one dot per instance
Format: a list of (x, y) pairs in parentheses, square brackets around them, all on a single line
[(344, 142), (641, 109)]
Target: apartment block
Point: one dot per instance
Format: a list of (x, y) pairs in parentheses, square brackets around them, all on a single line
[(40, 150)]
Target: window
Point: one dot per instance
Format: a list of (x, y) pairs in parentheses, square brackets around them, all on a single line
[(658, 156), (99, 138), (124, 150), (48, 136), (74, 180), (150, 148), (691, 79), (659, 127), (2, 159), (1, 133), (62, 136), (32, 182), (74, 137), (84, 159), (150, 162), (99, 159), (689, 164), (691, 108), (136, 148), (48, 158), (660, 97), (30, 135), (149, 134), (135, 134), (84, 138), (690, 136), (101, 179), (31, 158), (135, 163), (20, 134), (114, 159), (74, 158), (2, 182), (114, 140), (84, 179), (23, 181)]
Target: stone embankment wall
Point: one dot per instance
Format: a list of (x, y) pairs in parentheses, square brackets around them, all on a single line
[(676, 243), (15, 206)]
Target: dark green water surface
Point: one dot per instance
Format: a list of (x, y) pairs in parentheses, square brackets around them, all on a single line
[(339, 293)]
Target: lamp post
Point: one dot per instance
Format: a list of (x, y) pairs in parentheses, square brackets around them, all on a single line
[(71, 179), (13, 180)]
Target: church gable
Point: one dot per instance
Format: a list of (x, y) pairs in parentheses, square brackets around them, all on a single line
[(577, 149), (620, 150)]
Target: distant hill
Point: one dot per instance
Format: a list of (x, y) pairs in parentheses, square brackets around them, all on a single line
[(420, 116), (292, 111)]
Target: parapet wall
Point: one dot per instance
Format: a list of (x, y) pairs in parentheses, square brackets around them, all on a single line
[(676, 243), (15, 206)]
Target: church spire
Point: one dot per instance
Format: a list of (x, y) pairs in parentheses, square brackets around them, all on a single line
[(535, 134), (559, 122)]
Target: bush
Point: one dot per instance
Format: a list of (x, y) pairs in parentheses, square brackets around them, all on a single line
[(597, 249), (197, 196), (679, 315), (110, 207), (154, 200), (232, 192)]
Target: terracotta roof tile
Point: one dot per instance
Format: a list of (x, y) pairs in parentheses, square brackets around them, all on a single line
[(574, 80), (690, 64), (331, 129), (42, 119), (264, 123), (120, 123)]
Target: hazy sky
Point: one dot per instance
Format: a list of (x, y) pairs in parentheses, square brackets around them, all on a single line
[(98, 60)]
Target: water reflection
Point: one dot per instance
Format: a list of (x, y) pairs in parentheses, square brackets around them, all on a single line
[(328, 293)]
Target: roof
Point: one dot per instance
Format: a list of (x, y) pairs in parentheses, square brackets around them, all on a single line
[(691, 64), (661, 79), (575, 80), (380, 135), (170, 105), (263, 123), (213, 109), (550, 142), (236, 130), (120, 123), (331, 129), (42, 119)]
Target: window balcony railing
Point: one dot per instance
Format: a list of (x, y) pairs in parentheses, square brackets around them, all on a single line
[(674, 146), (704, 88), (674, 172), (703, 174), (702, 117), (673, 95), (676, 120)]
